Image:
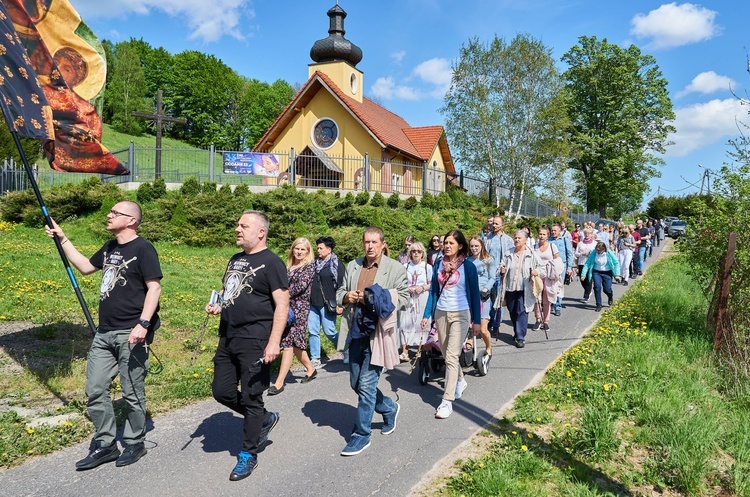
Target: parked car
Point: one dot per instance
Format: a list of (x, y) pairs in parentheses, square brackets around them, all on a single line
[(677, 228), (668, 220), (605, 222)]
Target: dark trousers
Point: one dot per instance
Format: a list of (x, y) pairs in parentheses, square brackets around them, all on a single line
[(518, 315), (233, 363), (602, 278), (585, 283)]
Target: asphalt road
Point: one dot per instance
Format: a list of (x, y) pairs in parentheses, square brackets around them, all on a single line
[(192, 450)]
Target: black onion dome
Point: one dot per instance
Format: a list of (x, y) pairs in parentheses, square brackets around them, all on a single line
[(336, 47)]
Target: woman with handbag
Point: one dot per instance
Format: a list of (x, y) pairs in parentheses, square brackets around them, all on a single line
[(323, 310), (453, 303), (486, 268), (603, 265), (419, 276), (553, 282), (300, 270)]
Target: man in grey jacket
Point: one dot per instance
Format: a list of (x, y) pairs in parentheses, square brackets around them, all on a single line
[(374, 267)]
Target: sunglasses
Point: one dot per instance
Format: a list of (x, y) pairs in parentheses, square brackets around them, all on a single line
[(118, 213)]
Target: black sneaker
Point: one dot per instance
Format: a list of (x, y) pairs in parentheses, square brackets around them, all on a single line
[(98, 454), (625, 282), (131, 454), (545, 327), (537, 326), (267, 427), (609, 301), (598, 308), (520, 344)]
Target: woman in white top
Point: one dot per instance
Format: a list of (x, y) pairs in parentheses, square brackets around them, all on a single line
[(547, 253), (625, 246), (418, 275), (486, 269), (583, 249), (454, 303)]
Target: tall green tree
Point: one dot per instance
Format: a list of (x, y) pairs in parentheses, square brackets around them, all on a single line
[(620, 113), (505, 114), (126, 90)]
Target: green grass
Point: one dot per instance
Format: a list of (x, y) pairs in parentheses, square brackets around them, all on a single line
[(44, 367), (638, 406)]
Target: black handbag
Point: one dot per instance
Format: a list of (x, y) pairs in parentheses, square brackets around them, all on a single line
[(331, 305)]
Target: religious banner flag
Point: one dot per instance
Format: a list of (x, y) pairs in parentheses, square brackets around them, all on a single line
[(71, 69), (24, 105)]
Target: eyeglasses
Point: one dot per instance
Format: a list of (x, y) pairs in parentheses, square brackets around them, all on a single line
[(118, 213), (417, 252), (436, 239)]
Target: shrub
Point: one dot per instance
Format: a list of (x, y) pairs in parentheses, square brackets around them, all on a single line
[(394, 200), (362, 198), (428, 200), (191, 187), (410, 203), (159, 188), (347, 201), (145, 193), (377, 200)]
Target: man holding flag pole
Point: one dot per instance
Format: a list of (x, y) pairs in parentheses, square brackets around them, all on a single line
[(37, 102)]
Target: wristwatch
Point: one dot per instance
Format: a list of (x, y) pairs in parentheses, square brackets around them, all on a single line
[(146, 324)]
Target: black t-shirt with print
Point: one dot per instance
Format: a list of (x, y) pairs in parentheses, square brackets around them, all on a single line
[(248, 306), (125, 270), (643, 232)]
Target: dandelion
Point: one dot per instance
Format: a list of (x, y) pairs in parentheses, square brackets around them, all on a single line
[(30, 430), (567, 425), (30, 451), (514, 432), (481, 464), (539, 420), (606, 387), (196, 375), (524, 448), (569, 374), (569, 394)]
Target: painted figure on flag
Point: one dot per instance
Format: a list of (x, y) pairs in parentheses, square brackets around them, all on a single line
[(71, 68)]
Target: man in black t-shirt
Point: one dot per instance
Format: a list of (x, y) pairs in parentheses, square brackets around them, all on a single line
[(254, 309), (128, 316), (642, 244)]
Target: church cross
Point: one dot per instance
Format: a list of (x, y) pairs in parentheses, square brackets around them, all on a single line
[(159, 118)]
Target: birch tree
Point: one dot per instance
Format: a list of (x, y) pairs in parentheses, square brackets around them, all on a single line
[(506, 116)]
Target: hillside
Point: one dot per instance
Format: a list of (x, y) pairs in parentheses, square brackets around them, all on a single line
[(114, 140)]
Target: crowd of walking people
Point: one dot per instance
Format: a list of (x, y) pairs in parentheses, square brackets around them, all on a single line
[(457, 288)]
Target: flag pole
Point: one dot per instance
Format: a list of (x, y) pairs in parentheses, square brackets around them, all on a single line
[(48, 221)]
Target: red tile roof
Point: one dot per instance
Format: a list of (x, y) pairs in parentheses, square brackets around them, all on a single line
[(390, 129)]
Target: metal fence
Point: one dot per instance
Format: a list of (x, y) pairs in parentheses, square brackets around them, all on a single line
[(312, 169)]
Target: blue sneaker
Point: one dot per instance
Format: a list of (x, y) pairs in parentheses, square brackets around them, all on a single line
[(246, 463), (389, 421), (356, 445), (267, 427)]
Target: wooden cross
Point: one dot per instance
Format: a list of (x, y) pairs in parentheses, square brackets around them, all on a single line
[(159, 117)]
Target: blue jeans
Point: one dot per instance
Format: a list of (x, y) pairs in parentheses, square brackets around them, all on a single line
[(318, 316), (641, 257), (364, 378)]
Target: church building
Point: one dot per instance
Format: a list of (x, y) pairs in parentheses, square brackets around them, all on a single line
[(340, 139)]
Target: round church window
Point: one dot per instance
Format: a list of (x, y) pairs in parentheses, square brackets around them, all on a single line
[(325, 133)]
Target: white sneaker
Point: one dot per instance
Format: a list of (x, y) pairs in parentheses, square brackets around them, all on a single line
[(460, 387), (444, 409), (315, 363)]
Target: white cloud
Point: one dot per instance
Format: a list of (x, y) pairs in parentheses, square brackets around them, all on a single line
[(398, 57), (433, 74), (387, 89), (704, 124), (207, 21), (673, 25), (708, 82)]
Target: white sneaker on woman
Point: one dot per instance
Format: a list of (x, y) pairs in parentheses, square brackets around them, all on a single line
[(460, 387), (444, 409)]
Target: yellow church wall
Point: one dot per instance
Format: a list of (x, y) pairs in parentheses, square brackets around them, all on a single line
[(349, 79)]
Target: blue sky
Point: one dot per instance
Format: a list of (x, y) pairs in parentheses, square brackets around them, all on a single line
[(409, 45)]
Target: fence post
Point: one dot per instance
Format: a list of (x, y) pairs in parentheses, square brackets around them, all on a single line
[(131, 160), (211, 173), (724, 281), (366, 182), (291, 169)]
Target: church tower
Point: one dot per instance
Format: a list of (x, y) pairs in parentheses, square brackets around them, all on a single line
[(337, 57)]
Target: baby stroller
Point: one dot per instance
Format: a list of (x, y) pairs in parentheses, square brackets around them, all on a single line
[(429, 357), (471, 357)]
